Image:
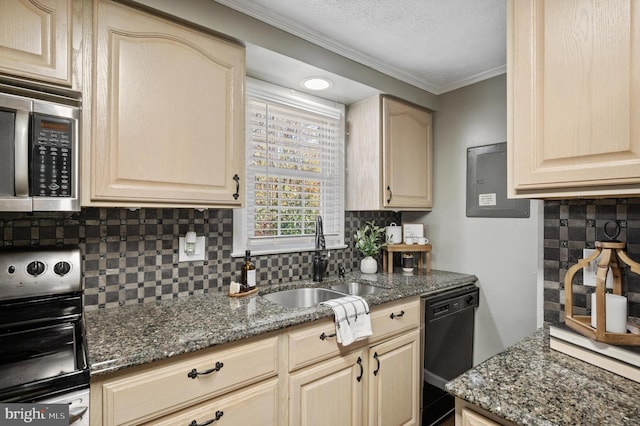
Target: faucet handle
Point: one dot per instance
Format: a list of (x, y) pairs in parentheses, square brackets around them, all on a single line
[(341, 271)]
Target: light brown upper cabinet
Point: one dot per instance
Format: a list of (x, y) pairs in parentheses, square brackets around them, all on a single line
[(40, 40), (389, 155), (168, 114), (573, 98)]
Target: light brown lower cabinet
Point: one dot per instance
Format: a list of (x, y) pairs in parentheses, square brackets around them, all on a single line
[(254, 405), (380, 380), (471, 418), (394, 382), (330, 393), (377, 383), (297, 376), (468, 414), (208, 378)]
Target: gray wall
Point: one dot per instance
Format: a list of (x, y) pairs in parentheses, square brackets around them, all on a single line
[(503, 253)]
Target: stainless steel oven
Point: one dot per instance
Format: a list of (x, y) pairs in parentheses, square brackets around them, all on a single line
[(43, 353), (39, 146)]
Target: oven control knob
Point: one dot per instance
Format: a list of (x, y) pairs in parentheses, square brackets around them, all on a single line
[(62, 268), (35, 268), (470, 300)]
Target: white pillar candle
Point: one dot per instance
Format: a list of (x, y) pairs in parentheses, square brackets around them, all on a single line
[(616, 309)]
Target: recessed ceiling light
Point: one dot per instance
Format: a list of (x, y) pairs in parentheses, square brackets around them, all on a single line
[(317, 83)]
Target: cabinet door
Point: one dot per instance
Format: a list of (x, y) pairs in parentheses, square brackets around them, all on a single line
[(573, 97), (407, 158), (364, 155), (168, 111), (35, 39), (329, 393), (394, 381)]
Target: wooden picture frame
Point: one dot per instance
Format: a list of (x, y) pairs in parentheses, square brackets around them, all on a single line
[(415, 230)]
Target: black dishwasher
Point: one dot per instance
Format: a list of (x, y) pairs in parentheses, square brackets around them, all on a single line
[(449, 319)]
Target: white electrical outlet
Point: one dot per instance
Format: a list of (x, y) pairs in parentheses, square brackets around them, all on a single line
[(197, 255), (589, 273)]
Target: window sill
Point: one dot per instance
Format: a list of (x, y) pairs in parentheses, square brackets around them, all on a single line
[(284, 251)]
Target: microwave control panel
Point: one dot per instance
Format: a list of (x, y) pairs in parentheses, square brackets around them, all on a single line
[(51, 156)]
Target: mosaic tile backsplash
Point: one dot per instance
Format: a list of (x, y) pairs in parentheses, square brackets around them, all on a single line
[(131, 256), (569, 227)]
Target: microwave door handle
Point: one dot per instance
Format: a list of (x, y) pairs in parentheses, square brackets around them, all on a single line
[(22, 153)]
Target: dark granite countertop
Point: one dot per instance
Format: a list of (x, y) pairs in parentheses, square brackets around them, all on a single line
[(134, 335), (532, 384)]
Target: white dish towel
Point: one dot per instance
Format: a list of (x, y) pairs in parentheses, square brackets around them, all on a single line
[(352, 318)]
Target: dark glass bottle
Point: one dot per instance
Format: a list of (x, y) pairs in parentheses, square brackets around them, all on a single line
[(248, 273)]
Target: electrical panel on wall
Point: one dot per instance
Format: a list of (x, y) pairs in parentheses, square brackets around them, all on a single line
[(487, 184)]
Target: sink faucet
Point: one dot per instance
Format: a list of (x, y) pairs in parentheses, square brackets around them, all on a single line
[(320, 262), (320, 243)]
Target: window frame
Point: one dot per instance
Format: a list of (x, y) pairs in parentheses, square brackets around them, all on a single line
[(283, 244)]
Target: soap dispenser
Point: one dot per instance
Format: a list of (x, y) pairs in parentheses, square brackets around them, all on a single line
[(319, 266)]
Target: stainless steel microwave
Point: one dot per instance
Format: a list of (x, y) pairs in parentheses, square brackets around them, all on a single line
[(38, 155)]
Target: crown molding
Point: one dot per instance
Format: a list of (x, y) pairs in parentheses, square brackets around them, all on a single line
[(273, 19), (269, 17), (473, 79)]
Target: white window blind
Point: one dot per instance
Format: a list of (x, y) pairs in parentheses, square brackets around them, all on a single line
[(294, 172)]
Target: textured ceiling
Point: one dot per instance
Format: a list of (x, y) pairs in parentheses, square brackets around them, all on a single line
[(437, 45)]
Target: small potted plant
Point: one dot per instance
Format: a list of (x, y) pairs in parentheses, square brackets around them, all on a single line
[(369, 238)]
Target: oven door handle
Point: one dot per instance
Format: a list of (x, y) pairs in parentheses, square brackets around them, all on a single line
[(76, 413)]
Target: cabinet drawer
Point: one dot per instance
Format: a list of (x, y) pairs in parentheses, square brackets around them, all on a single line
[(395, 317), (306, 346), (167, 388), (255, 405)]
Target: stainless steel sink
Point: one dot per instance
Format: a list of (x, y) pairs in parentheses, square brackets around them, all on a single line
[(302, 297), (357, 289)]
